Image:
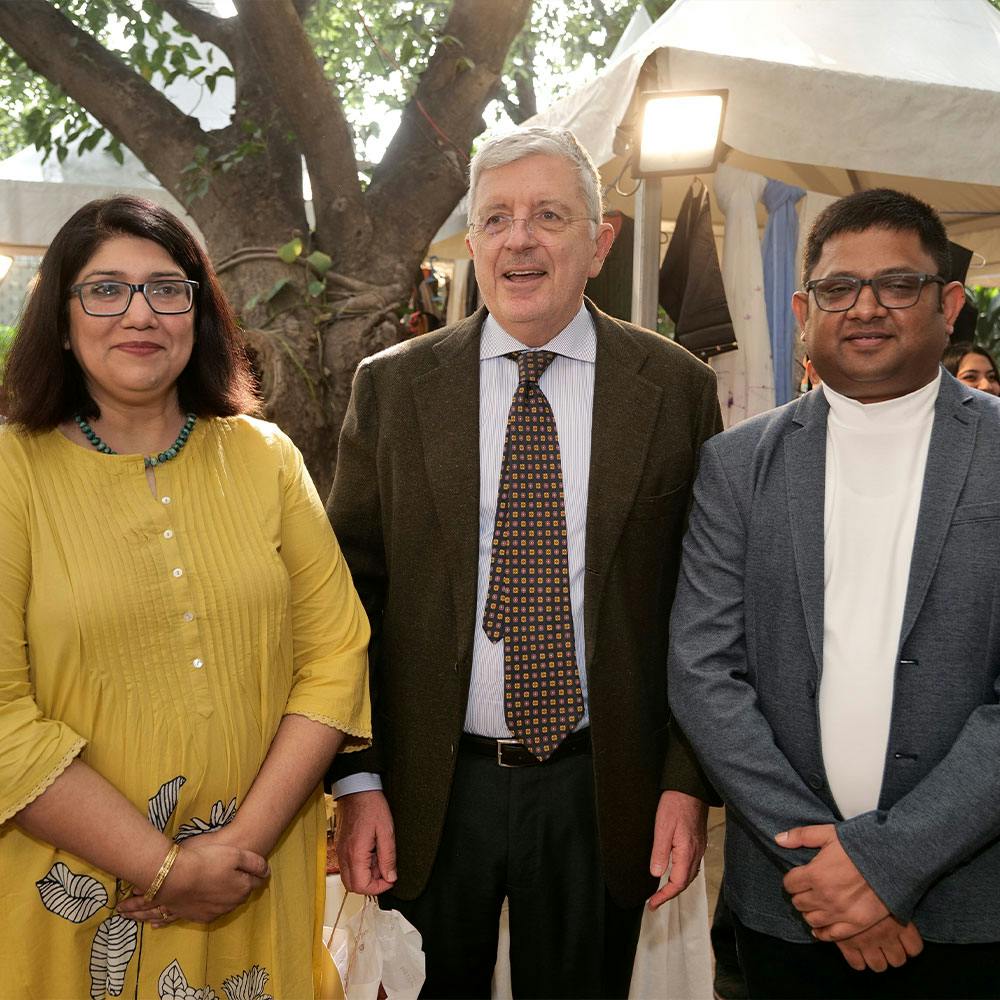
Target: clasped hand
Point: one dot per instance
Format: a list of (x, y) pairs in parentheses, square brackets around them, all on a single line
[(840, 906), (209, 879)]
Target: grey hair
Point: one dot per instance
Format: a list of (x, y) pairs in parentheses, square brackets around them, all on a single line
[(539, 140)]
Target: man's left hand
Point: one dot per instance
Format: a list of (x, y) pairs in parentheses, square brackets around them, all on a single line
[(886, 943), (680, 833), (830, 893)]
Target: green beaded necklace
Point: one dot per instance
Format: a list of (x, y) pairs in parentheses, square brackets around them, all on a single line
[(149, 461)]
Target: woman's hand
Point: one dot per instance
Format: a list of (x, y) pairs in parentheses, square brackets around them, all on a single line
[(207, 880)]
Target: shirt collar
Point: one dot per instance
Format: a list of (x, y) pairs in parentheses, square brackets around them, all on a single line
[(577, 340)]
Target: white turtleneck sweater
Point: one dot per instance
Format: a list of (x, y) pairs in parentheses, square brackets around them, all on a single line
[(876, 454)]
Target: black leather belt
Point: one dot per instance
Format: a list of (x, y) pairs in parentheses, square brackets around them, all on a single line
[(510, 753)]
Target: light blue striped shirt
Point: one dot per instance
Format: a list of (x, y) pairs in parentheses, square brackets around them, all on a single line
[(568, 384)]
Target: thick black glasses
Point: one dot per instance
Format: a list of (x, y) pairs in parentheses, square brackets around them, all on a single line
[(891, 291), (166, 296)]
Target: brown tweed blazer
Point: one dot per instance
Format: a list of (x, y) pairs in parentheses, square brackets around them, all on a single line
[(405, 507)]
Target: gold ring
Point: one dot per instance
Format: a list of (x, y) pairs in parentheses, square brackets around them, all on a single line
[(164, 914)]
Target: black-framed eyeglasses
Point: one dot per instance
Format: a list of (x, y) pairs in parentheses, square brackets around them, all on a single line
[(543, 226), (891, 291), (166, 296)]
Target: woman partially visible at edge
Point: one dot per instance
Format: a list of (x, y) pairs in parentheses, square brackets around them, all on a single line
[(972, 364), (181, 648)]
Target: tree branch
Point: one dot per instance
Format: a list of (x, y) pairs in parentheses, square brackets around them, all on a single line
[(121, 100), (287, 60), (209, 28), (424, 171)]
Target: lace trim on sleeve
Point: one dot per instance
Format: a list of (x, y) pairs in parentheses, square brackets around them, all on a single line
[(356, 739), (71, 754)]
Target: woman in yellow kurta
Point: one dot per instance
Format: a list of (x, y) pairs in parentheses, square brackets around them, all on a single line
[(181, 647)]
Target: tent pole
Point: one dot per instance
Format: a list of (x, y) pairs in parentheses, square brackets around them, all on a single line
[(646, 252)]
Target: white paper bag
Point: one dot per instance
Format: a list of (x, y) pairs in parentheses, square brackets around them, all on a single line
[(375, 947)]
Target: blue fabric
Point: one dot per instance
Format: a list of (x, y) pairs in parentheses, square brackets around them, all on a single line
[(781, 238)]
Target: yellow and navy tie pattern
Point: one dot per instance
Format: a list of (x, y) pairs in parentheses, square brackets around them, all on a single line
[(528, 602)]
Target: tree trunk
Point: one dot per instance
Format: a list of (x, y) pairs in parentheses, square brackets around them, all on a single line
[(306, 346)]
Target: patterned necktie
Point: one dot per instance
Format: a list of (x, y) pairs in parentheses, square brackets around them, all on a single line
[(528, 602)]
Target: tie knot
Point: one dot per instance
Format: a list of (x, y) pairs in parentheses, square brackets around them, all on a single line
[(531, 365)]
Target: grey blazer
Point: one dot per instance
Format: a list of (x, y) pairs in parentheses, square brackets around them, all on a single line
[(747, 654)]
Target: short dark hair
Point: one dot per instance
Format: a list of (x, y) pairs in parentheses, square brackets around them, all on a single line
[(954, 353), (879, 208), (44, 382)]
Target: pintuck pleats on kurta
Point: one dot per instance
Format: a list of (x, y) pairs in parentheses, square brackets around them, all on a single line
[(161, 639)]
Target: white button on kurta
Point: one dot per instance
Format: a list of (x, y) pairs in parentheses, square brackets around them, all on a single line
[(178, 572)]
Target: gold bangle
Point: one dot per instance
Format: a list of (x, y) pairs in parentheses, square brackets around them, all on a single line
[(168, 862)]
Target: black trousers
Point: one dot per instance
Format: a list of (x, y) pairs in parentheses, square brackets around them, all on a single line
[(776, 969), (529, 834)]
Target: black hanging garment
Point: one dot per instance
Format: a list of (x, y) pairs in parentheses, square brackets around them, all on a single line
[(691, 289)]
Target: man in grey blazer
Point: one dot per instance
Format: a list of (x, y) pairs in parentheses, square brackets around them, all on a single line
[(464, 811), (835, 640)]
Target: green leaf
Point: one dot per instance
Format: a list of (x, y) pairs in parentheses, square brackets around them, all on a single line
[(464, 63), (90, 141), (316, 288), (319, 261), (251, 303), (290, 252), (275, 288)]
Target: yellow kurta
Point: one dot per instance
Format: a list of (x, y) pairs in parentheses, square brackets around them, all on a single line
[(162, 639)]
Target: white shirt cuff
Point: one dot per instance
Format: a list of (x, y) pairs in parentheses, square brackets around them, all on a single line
[(363, 781)]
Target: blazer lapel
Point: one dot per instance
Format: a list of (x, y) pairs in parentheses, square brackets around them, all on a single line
[(805, 470), (625, 411), (953, 436), (447, 403)]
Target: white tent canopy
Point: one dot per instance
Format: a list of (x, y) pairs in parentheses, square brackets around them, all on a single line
[(36, 198), (831, 95), (908, 87)]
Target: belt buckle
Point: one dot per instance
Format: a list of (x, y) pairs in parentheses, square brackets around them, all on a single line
[(500, 745)]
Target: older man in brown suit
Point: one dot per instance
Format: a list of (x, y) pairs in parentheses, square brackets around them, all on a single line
[(510, 495)]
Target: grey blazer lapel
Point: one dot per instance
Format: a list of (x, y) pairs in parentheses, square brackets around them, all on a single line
[(447, 404), (953, 436), (625, 412), (805, 470)]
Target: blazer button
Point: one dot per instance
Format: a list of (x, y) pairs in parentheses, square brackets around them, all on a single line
[(815, 781)]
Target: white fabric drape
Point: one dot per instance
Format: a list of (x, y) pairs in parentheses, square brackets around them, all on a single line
[(673, 960), (746, 377)]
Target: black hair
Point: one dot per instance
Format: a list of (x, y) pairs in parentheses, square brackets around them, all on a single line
[(44, 382), (879, 208)]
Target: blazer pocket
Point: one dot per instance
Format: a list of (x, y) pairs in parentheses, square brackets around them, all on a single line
[(651, 508), (976, 512)]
